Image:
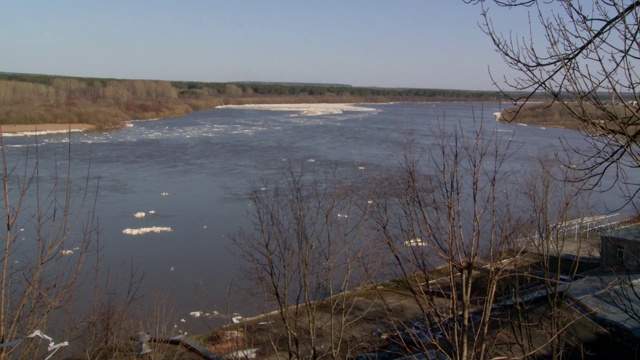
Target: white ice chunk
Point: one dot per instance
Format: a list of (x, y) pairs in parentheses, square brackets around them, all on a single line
[(236, 318), (415, 242), (145, 230)]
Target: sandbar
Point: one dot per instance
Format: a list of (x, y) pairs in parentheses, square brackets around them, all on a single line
[(44, 128)]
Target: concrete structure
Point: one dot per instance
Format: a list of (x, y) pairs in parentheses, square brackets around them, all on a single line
[(620, 248), (611, 299)]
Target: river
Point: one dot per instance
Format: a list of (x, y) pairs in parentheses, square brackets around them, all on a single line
[(192, 174)]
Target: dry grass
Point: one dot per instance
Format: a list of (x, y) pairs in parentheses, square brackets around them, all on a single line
[(586, 117)]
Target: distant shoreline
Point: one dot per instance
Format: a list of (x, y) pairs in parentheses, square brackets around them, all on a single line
[(44, 128), (540, 119)]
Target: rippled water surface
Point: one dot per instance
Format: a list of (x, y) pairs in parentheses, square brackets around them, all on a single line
[(205, 164)]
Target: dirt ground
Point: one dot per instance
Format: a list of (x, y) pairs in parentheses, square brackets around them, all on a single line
[(363, 321), (366, 320)]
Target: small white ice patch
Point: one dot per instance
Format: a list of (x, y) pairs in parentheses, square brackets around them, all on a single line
[(415, 242), (236, 318), (145, 230)]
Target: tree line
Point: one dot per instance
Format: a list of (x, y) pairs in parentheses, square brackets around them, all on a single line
[(319, 89), (35, 99)]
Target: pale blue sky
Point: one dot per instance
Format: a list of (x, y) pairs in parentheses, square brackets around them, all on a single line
[(399, 43)]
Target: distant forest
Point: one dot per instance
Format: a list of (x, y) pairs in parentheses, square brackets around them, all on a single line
[(107, 103)]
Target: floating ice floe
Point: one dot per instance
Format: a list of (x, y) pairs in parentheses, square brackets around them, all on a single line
[(66, 252), (196, 314), (145, 230), (311, 160), (139, 215), (304, 109), (415, 242), (151, 212), (236, 318)]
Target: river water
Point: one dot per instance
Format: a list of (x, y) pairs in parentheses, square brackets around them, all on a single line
[(193, 174)]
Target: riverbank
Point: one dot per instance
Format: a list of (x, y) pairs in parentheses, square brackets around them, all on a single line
[(386, 321), (96, 118), (108, 103), (33, 129)]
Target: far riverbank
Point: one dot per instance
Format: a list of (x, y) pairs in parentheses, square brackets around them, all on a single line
[(108, 103), (44, 128)]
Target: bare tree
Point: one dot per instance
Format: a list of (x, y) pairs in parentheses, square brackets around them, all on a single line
[(47, 233), (109, 322), (584, 56), (448, 221), (557, 224), (307, 250)]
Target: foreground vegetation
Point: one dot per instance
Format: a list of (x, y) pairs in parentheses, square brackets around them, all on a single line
[(386, 321), (106, 103), (469, 246), (444, 225)]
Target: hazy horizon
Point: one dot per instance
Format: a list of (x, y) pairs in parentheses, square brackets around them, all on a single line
[(243, 81), (435, 45)]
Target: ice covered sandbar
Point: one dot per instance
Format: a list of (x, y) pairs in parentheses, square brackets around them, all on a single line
[(303, 109), (42, 129)]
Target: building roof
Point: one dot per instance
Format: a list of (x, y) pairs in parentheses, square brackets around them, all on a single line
[(614, 298), (629, 232)]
